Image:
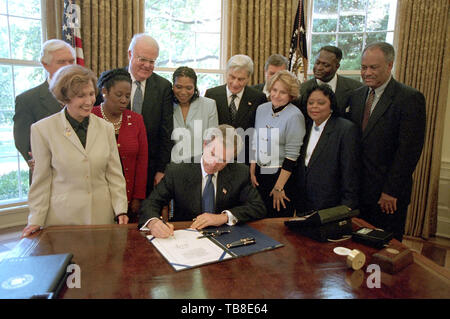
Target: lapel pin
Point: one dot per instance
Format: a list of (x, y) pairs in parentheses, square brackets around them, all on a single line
[(68, 133), (249, 103)]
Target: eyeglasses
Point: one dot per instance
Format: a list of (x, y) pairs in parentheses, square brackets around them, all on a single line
[(145, 60)]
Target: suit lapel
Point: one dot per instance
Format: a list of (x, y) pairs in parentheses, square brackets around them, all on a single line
[(357, 108), (147, 102), (192, 183), (245, 106), (222, 106), (381, 107), (224, 187), (340, 91), (70, 134), (322, 143), (91, 133)]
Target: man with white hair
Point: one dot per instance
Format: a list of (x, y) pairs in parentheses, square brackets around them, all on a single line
[(212, 191), (151, 96), (38, 103), (236, 101)]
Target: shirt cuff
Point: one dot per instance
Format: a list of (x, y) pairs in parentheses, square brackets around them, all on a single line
[(144, 227), (231, 219), (288, 164)]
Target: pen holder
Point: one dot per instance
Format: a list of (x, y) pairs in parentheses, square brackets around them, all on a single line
[(355, 258)]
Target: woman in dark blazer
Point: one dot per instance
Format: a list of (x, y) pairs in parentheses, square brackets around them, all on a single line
[(131, 136), (329, 165)]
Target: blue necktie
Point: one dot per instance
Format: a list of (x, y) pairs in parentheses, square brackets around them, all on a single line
[(208, 196), (137, 100)]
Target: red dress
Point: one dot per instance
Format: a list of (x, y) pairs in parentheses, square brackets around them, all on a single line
[(133, 152)]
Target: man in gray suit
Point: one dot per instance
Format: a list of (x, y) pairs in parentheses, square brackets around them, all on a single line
[(325, 67), (38, 103)]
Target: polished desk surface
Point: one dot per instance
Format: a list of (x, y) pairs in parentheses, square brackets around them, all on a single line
[(117, 261)]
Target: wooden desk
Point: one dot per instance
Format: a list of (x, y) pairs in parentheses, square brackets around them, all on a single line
[(117, 261)]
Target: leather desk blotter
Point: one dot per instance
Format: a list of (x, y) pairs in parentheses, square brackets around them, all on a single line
[(393, 258)]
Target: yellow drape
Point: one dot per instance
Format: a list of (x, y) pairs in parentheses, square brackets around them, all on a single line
[(260, 29), (423, 62), (107, 27)]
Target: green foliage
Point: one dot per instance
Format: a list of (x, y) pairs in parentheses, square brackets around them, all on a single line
[(9, 185), (362, 27)]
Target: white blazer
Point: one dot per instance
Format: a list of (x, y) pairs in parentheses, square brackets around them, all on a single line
[(72, 185)]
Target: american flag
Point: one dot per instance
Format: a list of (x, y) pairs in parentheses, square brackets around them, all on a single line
[(298, 53), (71, 29)]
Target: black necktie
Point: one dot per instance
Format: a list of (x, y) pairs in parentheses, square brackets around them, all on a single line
[(233, 109), (208, 196)]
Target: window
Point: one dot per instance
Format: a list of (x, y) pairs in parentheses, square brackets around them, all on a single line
[(189, 33), (350, 25), (20, 70)]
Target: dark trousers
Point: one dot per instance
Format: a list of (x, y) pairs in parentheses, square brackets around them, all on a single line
[(394, 223), (266, 184)]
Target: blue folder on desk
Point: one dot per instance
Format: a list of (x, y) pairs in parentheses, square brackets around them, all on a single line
[(33, 276), (237, 232), (183, 251)]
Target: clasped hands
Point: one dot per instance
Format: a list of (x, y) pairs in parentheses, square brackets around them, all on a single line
[(160, 229)]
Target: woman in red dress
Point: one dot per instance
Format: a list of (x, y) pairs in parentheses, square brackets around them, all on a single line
[(131, 136)]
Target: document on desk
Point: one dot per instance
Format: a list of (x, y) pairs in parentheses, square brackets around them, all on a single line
[(184, 250)]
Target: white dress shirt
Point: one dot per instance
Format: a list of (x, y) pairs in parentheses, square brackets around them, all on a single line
[(231, 219), (316, 132), (332, 83), (237, 100), (378, 93)]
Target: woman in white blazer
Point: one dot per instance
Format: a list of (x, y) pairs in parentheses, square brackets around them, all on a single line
[(77, 178), (192, 116)]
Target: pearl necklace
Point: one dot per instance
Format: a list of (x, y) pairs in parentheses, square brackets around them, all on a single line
[(117, 124)]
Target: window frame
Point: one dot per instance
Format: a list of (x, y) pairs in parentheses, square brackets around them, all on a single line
[(309, 5), (18, 204), (223, 43)]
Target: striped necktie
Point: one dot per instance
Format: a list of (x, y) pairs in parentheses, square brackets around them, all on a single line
[(233, 109), (367, 108), (137, 100)]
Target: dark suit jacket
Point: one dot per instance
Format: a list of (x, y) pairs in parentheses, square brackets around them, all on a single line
[(259, 86), (183, 182), (157, 111), (32, 106), (332, 176), (392, 141), (344, 89), (245, 116)]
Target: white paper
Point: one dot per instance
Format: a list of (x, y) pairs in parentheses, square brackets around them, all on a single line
[(184, 250)]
